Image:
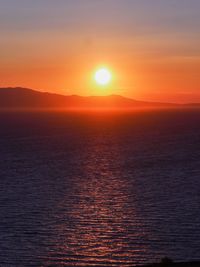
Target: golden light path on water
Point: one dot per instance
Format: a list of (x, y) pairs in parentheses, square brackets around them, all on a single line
[(99, 225)]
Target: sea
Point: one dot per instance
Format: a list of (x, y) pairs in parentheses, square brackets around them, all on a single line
[(99, 188)]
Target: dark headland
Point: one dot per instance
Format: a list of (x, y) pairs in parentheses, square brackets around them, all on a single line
[(22, 98)]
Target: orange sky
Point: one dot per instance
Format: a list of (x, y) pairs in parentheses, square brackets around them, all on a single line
[(153, 55)]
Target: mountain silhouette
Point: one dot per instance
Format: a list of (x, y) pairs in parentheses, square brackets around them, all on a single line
[(23, 98)]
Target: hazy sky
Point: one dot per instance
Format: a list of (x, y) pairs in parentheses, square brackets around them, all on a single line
[(152, 46)]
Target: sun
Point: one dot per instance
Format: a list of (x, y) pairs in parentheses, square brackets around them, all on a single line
[(103, 76)]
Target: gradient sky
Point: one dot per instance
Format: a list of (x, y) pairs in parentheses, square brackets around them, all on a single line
[(151, 46)]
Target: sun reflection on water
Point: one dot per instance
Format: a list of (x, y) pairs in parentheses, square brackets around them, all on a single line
[(99, 219)]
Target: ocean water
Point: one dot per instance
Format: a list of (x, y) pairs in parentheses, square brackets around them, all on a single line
[(99, 189)]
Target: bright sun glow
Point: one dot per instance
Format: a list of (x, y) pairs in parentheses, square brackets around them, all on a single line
[(103, 76)]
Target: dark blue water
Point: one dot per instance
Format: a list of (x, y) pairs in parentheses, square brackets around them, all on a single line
[(99, 189)]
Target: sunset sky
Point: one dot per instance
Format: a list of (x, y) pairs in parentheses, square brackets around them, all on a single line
[(152, 47)]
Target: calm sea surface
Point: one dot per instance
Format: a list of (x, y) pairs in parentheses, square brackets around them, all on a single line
[(99, 189)]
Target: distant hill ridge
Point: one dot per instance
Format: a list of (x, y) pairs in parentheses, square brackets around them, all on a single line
[(23, 98)]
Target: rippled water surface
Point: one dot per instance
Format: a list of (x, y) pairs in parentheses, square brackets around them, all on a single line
[(99, 189)]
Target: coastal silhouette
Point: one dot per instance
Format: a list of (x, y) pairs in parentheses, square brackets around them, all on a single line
[(22, 98)]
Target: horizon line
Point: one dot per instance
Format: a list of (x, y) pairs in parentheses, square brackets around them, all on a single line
[(100, 96)]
